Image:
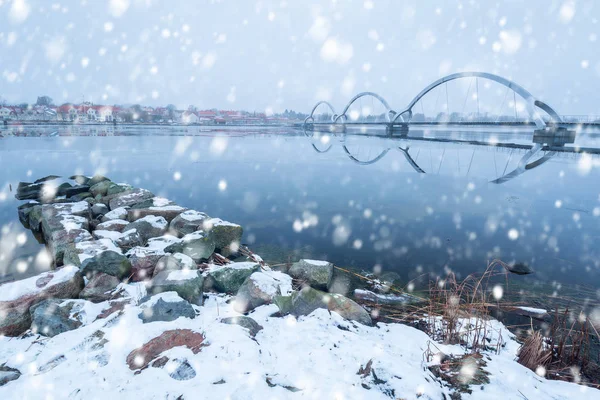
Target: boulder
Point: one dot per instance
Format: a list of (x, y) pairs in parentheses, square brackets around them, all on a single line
[(227, 235), (116, 213), (24, 210), (46, 178), (81, 251), (344, 283), (127, 198), (99, 210), (115, 188), (315, 273), (125, 240), (75, 190), (186, 283), (115, 225), (198, 245), (260, 288), (174, 262), (100, 188), (61, 190), (108, 262), (80, 179), (157, 206), (148, 227), (142, 356), (519, 269), (245, 322), (35, 218), (29, 191), (166, 307), (228, 278), (143, 262), (16, 298), (8, 374), (52, 317), (308, 300), (81, 197), (187, 222), (100, 288), (63, 241)]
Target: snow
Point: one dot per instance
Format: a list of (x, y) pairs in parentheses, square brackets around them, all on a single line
[(163, 204), (161, 242), (169, 297), (72, 222), (156, 222), (91, 248), (210, 223), (185, 260), (112, 222), (112, 235), (317, 262), (272, 282), (193, 216), (117, 213), (310, 353), (533, 310), (182, 275), (13, 290)]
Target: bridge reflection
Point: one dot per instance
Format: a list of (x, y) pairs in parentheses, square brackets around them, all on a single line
[(520, 156)]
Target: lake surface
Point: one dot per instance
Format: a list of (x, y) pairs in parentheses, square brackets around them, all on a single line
[(445, 201)]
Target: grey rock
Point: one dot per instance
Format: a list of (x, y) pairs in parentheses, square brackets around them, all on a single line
[(61, 190), (229, 278), (261, 288), (8, 374), (100, 188), (47, 178), (115, 188), (127, 198), (198, 245), (75, 190), (143, 263), (80, 179), (187, 222), (100, 288), (35, 218), (60, 242), (344, 283), (117, 213), (162, 310), (183, 372), (97, 179), (81, 196), (113, 225), (227, 235), (308, 300), (519, 269), (245, 322), (52, 317), (148, 227), (188, 284), (108, 262), (317, 274), (29, 191), (99, 209), (174, 262), (24, 210)]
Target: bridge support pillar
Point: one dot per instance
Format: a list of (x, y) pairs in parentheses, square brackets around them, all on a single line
[(397, 129), (554, 135)]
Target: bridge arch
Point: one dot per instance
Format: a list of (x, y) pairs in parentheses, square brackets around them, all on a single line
[(389, 113), (531, 102), (312, 112)]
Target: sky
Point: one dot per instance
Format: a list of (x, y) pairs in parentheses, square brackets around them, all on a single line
[(276, 55)]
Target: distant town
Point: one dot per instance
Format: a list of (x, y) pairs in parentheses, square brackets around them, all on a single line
[(45, 111)]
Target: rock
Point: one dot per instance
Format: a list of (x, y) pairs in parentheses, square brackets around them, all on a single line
[(24, 210), (100, 288), (114, 225), (52, 317), (519, 269), (245, 322), (317, 274), (29, 191), (227, 235), (99, 209), (308, 300), (142, 356), (260, 288), (64, 216), (181, 370), (47, 178), (108, 262), (8, 374), (127, 198), (16, 298), (157, 206), (117, 213), (198, 245), (64, 240), (148, 227), (143, 262), (344, 283), (125, 240), (80, 179), (81, 196), (100, 188), (97, 179), (81, 251), (385, 299), (187, 283), (187, 222), (75, 190), (284, 303), (35, 218), (229, 278), (166, 307), (174, 262), (115, 188), (61, 190)]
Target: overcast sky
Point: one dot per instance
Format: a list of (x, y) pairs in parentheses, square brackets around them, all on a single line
[(272, 55)]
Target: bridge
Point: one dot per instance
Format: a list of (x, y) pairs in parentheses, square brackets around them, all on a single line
[(369, 109)]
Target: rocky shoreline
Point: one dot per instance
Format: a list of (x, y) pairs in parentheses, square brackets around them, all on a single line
[(143, 283)]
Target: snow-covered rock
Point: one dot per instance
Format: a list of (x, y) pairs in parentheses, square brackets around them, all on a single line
[(198, 245), (188, 284), (315, 273), (108, 262), (187, 222), (260, 288), (166, 306), (228, 278)]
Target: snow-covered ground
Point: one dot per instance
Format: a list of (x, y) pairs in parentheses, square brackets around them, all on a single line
[(312, 357)]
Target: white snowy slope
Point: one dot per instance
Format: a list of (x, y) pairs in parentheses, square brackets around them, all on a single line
[(312, 357)]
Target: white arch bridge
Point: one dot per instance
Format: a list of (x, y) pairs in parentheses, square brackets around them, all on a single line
[(538, 113)]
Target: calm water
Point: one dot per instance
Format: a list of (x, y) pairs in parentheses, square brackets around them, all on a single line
[(355, 200)]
